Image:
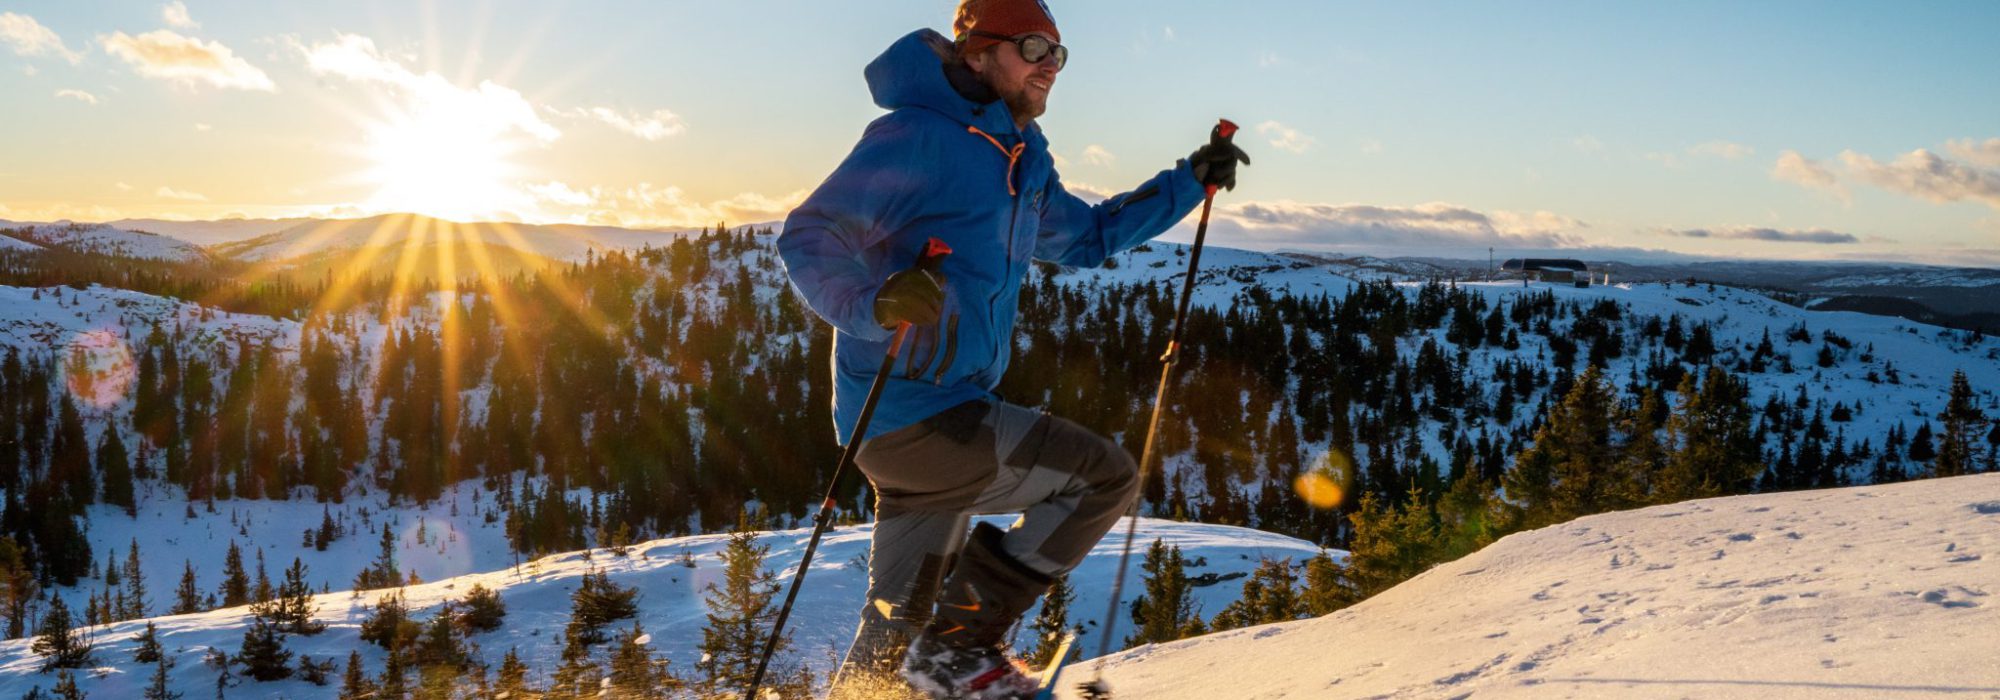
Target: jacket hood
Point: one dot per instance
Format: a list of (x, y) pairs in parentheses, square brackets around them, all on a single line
[(914, 72)]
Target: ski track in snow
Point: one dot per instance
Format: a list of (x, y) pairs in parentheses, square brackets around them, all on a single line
[(1867, 592)]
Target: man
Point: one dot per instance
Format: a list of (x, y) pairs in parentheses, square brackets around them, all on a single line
[(960, 158)]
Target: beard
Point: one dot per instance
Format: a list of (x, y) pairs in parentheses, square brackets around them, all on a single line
[(1022, 105)]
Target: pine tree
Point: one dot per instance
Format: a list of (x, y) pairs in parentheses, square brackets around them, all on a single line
[(187, 597), (1052, 623), (394, 685), (294, 607), (740, 613), (355, 683), (66, 687), (263, 654), (1922, 447), (1571, 470), (69, 456), (1167, 610), (148, 650), (17, 582), (481, 610), (1712, 451), (116, 467), (383, 572), (439, 646), (389, 625), (1269, 595), (513, 678), (56, 642), (1325, 592), (1964, 424), (156, 689), (635, 673), (235, 582), (136, 603), (595, 603)]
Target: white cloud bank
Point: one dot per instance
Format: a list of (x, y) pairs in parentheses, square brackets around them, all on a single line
[(1971, 172), (28, 37), (183, 60), (175, 14)]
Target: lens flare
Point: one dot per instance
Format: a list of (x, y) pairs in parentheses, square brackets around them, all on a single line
[(98, 368), (1325, 485)]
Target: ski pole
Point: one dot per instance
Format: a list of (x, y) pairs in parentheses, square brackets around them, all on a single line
[(1220, 136), (934, 252)]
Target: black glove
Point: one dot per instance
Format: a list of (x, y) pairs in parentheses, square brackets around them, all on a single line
[(1215, 163), (915, 295)]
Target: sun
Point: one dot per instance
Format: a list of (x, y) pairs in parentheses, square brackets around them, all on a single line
[(442, 158)]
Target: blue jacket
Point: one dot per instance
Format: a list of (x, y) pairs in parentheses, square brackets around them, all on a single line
[(941, 165)]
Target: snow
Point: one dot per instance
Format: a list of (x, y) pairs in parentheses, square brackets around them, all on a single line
[(671, 610), (207, 233), (1879, 591), (7, 243), (105, 239)]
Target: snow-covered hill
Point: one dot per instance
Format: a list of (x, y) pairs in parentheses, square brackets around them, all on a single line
[(669, 574), (558, 241), (1870, 592), (209, 233), (105, 239)]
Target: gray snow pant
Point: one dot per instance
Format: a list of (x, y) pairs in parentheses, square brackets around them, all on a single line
[(981, 457)]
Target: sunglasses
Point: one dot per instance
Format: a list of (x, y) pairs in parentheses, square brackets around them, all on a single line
[(1033, 47)]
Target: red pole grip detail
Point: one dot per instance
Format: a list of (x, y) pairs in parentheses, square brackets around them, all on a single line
[(934, 249)]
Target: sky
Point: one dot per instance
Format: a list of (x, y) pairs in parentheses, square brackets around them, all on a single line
[(1814, 130)]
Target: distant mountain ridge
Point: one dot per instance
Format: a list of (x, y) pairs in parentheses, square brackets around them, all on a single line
[(105, 239)]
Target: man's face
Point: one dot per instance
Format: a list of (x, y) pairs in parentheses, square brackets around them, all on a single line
[(1022, 85)]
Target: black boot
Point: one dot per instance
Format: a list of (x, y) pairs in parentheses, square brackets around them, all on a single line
[(962, 652)]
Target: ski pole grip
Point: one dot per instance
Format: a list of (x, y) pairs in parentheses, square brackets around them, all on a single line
[(934, 252), (1225, 130)]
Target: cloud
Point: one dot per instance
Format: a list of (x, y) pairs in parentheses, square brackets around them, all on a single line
[(561, 193), (1425, 226), (1723, 149), (78, 95), (496, 107), (28, 37), (647, 205), (1794, 168), (1270, 59), (163, 54), (1088, 192), (1769, 235), (122, 187), (171, 193), (1927, 176), (1097, 155), (1371, 147), (200, 126), (1986, 154), (1587, 144), (1285, 137), (651, 127), (175, 14), (1667, 159)]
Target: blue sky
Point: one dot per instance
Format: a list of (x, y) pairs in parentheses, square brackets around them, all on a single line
[(1772, 129)]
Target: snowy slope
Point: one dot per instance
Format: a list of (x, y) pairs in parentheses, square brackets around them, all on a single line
[(105, 239), (1871, 592), (208, 233), (8, 243), (670, 608), (561, 241)]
